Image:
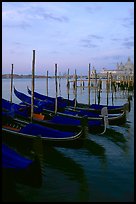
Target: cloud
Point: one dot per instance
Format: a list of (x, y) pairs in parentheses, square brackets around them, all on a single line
[(53, 17), (93, 9), (44, 14), (22, 25), (89, 44), (89, 41), (31, 12), (115, 39), (95, 37), (129, 44), (129, 21)]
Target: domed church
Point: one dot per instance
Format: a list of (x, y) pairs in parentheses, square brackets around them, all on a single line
[(127, 68)]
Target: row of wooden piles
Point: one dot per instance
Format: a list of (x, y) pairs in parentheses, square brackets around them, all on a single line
[(95, 82)]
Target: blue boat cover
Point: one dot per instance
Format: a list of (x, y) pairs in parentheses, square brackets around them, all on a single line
[(74, 122), (15, 108), (42, 131), (81, 113), (96, 106), (47, 104), (94, 123), (61, 101), (13, 160), (65, 120)]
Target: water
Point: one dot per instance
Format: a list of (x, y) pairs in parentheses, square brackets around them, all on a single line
[(102, 170)]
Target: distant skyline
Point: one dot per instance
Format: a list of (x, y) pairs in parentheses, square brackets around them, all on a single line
[(71, 34)]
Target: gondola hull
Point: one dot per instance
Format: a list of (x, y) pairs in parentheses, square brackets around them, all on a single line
[(19, 168), (114, 119), (95, 108), (14, 129), (61, 122)]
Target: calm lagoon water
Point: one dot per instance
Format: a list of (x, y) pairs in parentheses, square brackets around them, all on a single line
[(102, 170)]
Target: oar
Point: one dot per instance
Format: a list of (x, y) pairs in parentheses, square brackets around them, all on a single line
[(104, 114)]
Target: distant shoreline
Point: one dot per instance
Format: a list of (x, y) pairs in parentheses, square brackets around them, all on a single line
[(8, 76), (16, 76)]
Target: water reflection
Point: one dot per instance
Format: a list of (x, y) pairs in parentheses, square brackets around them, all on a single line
[(94, 148), (55, 159), (116, 137)]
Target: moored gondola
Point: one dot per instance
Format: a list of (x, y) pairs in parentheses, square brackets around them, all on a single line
[(56, 121), (95, 108), (18, 129), (19, 168), (113, 119)]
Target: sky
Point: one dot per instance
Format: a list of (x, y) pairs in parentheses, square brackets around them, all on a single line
[(69, 34)]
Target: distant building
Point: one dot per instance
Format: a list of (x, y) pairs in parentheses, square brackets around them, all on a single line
[(93, 72), (122, 70)]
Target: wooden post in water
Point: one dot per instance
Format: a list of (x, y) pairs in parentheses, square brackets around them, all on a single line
[(68, 84), (107, 88), (32, 96), (56, 88), (81, 81), (95, 85), (89, 84), (112, 88), (75, 90), (81, 84), (47, 84), (59, 83), (99, 91), (11, 85)]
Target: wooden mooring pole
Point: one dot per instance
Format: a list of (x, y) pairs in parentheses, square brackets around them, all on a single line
[(95, 86), (107, 88), (89, 84), (59, 83), (75, 90), (99, 92), (68, 84), (33, 73), (11, 85), (56, 88), (112, 89), (47, 84)]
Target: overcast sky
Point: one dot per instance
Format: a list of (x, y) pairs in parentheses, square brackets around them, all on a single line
[(71, 34)]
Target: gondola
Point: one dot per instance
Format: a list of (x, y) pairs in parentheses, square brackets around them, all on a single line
[(60, 122), (95, 108), (19, 168), (14, 128), (113, 119)]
